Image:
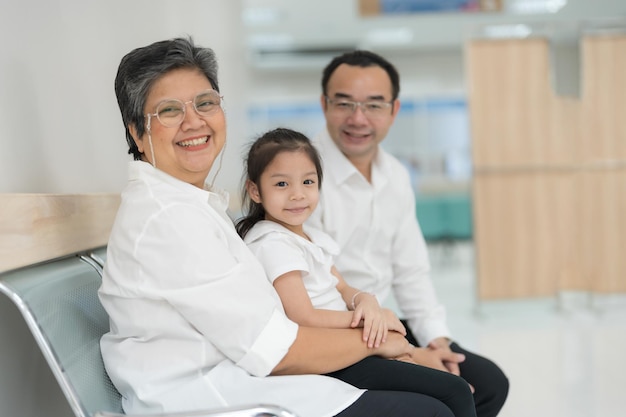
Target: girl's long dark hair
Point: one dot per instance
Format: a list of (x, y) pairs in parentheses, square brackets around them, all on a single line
[(262, 152)]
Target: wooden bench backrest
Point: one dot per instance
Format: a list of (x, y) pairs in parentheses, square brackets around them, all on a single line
[(39, 227)]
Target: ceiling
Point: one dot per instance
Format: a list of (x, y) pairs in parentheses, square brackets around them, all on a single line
[(289, 33)]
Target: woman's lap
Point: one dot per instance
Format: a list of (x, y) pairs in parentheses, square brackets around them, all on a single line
[(376, 373), (396, 404)]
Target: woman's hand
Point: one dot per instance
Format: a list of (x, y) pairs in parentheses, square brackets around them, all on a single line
[(395, 347)]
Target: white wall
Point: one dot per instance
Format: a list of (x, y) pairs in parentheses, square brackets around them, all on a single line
[(421, 73), (60, 128)]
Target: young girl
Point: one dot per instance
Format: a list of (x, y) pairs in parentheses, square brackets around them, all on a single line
[(284, 177)]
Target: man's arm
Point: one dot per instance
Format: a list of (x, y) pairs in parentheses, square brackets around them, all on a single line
[(412, 285)]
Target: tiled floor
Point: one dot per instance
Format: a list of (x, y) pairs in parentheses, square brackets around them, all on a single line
[(565, 356)]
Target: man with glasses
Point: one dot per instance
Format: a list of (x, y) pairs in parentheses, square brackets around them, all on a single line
[(367, 205)]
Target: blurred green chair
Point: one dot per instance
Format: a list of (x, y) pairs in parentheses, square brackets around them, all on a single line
[(444, 217)]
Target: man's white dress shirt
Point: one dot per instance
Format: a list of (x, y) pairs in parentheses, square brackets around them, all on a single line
[(194, 322), (381, 246)]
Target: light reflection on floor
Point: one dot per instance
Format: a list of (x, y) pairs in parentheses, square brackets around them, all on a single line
[(564, 356)]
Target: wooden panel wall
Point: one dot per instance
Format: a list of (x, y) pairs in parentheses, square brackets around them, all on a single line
[(521, 217), (604, 162), (603, 229), (549, 188)]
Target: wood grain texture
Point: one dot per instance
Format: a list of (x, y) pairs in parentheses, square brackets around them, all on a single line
[(603, 231), (549, 188), (39, 227), (604, 99), (525, 244)]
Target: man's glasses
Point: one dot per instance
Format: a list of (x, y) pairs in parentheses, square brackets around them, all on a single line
[(171, 112), (348, 107)]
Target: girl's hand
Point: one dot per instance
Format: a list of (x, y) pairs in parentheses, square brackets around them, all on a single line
[(375, 327), (393, 322)]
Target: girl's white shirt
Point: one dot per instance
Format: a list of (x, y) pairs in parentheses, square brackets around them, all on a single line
[(195, 323), (280, 251)]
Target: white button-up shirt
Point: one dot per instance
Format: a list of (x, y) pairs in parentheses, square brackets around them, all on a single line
[(280, 251), (194, 322), (381, 244)]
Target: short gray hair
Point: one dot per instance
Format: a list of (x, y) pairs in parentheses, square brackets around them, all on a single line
[(142, 67)]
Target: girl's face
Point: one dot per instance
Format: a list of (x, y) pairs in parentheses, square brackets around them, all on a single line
[(288, 190), (186, 151)]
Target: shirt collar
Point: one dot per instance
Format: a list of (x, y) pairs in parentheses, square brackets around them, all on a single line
[(339, 168), (141, 170), (319, 239), (335, 164)]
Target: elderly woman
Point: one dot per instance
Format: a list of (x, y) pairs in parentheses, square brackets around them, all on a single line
[(194, 322)]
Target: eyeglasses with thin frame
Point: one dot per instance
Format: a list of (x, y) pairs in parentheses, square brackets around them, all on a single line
[(348, 107), (171, 112)]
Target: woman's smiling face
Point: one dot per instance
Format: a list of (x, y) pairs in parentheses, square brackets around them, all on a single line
[(186, 151)]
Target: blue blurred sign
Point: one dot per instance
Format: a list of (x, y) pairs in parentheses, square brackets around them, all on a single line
[(421, 6)]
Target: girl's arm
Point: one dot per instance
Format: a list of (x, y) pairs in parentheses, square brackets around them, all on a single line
[(351, 296), (318, 350), (298, 306)]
